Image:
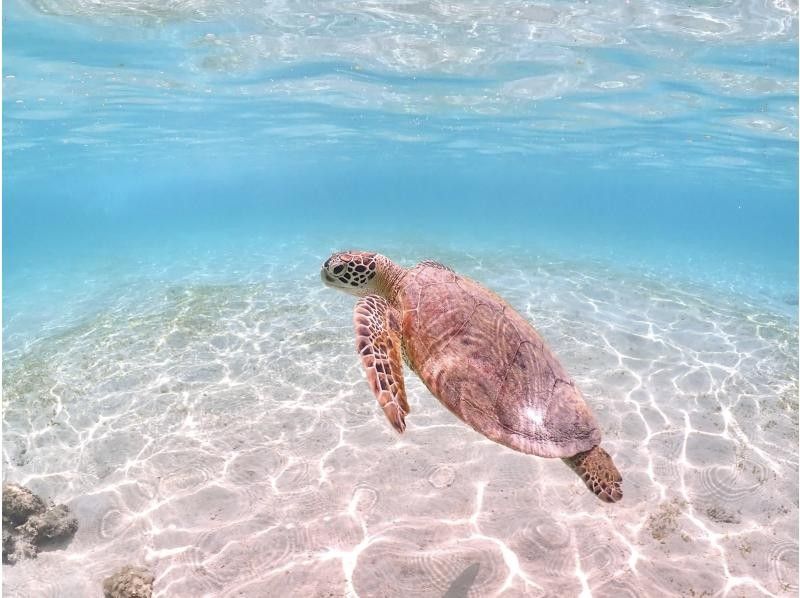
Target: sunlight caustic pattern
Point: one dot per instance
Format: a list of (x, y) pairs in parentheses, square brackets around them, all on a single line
[(224, 436)]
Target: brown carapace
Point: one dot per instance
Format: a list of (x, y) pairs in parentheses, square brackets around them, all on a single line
[(474, 353)]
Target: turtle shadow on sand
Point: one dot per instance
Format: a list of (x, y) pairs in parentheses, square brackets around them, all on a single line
[(30, 526), (463, 583)]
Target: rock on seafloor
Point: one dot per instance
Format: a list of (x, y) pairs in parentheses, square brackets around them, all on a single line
[(19, 504), (129, 582), (53, 524), (29, 525)]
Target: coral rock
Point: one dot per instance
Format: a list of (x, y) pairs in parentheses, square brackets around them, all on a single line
[(28, 524), (19, 503), (54, 524), (129, 582)]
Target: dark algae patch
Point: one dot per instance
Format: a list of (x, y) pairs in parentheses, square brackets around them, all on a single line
[(720, 515), (664, 521)]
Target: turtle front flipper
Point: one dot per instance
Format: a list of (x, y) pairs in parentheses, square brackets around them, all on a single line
[(379, 346), (598, 472)]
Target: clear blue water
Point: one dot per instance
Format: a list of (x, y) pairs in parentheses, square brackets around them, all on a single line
[(221, 151)]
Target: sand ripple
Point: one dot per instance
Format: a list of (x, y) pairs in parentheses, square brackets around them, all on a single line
[(225, 436), (733, 484), (442, 476), (619, 588), (782, 559), (544, 547), (364, 499)]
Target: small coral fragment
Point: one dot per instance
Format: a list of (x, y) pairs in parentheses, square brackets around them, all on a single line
[(129, 582)]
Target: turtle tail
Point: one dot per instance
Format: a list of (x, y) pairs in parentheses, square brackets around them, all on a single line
[(598, 472)]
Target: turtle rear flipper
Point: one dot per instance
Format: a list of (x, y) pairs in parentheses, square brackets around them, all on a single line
[(379, 346), (598, 472)]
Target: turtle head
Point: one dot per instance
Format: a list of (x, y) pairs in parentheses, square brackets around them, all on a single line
[(352, 272)]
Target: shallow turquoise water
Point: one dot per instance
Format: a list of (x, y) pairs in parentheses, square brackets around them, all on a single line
[(175, 174)]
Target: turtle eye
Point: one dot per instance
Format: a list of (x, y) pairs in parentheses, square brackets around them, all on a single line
[(338, 269)]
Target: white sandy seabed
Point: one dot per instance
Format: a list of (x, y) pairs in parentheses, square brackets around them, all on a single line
[(223, 435)]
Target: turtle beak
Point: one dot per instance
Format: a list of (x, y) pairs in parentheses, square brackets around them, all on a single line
[(326, 278)]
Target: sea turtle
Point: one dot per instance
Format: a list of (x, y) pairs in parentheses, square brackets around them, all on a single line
[(476, 354)]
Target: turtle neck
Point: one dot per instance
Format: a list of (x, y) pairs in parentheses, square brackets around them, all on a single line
[(390, 277)]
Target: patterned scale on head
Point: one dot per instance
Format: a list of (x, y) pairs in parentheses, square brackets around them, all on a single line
[(350, 270)]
